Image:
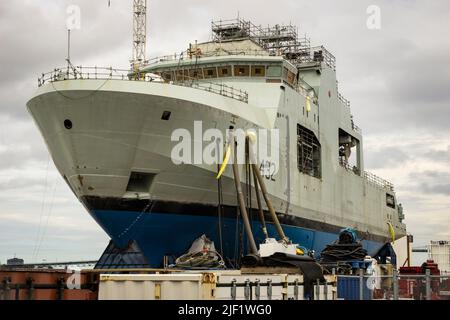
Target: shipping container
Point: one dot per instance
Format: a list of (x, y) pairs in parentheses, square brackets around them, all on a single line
[(349, 288), (47, 284), (439, 252), (211, 285)]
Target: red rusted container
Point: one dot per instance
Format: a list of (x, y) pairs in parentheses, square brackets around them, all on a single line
[(47, 284)]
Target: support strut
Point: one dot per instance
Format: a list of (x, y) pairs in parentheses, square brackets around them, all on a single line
[(242, 208)]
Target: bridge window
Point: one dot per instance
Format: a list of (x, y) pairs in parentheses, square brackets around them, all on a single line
[(290, 77), (285, 72), (196, 73), (258, 71), (241, 71), (274, 71), (210, 72), (224, 72), (308, 152)]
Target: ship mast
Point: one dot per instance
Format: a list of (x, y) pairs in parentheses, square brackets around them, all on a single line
[(139, 33)]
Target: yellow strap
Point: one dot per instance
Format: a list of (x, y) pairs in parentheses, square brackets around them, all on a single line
[(308, 104), (224, 163), (391, 232)]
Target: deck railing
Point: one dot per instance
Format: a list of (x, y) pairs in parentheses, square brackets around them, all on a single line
[(109, 73), (309, 54), (319, 54), (186, 56), (376, 180), (344, 101), (90, 73), (218, 88), (369, 177)]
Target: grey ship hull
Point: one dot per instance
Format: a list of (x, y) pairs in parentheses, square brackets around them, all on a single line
[(117, 129)]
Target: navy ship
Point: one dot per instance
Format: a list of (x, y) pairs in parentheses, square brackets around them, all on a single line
[(111, 136)]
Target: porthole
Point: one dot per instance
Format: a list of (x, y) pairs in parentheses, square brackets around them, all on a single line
[(68, 124)]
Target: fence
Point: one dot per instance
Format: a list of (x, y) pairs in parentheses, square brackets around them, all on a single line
[(288, 289), (393, 287)]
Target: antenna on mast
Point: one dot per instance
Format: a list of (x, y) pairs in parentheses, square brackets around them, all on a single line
[(69, 63), (139, 33), (68, 45)]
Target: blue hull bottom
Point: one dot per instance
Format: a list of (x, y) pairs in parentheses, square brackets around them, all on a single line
[(162, 234)]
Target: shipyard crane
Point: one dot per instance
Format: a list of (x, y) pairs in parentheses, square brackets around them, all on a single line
[(139, 33)]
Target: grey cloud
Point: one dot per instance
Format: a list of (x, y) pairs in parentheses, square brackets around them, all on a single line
[(398, 152), (439, 155), (388, 157), (397, 77), (21, 144), (33, 38), (435, 175), (437, 189), (431, 182), (426, 222), (430, 174), (22, 184)]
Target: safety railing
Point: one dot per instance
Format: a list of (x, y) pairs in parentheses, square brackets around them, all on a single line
[(271, 290), (218, 88), (185, 80), (198, 54), (376, 180), (314, 54), (91, 73), (349, 167), (319, 54), (344, 101), (356, 128), (369, 177), (109, 73)]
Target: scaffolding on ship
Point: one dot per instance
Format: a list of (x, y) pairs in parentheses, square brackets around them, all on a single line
[(278, 40)]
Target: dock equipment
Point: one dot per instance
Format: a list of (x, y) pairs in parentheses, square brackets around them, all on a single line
[(346, 253), (411, 285)]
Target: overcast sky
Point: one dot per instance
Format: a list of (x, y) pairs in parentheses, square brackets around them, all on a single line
[(397, 78)]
